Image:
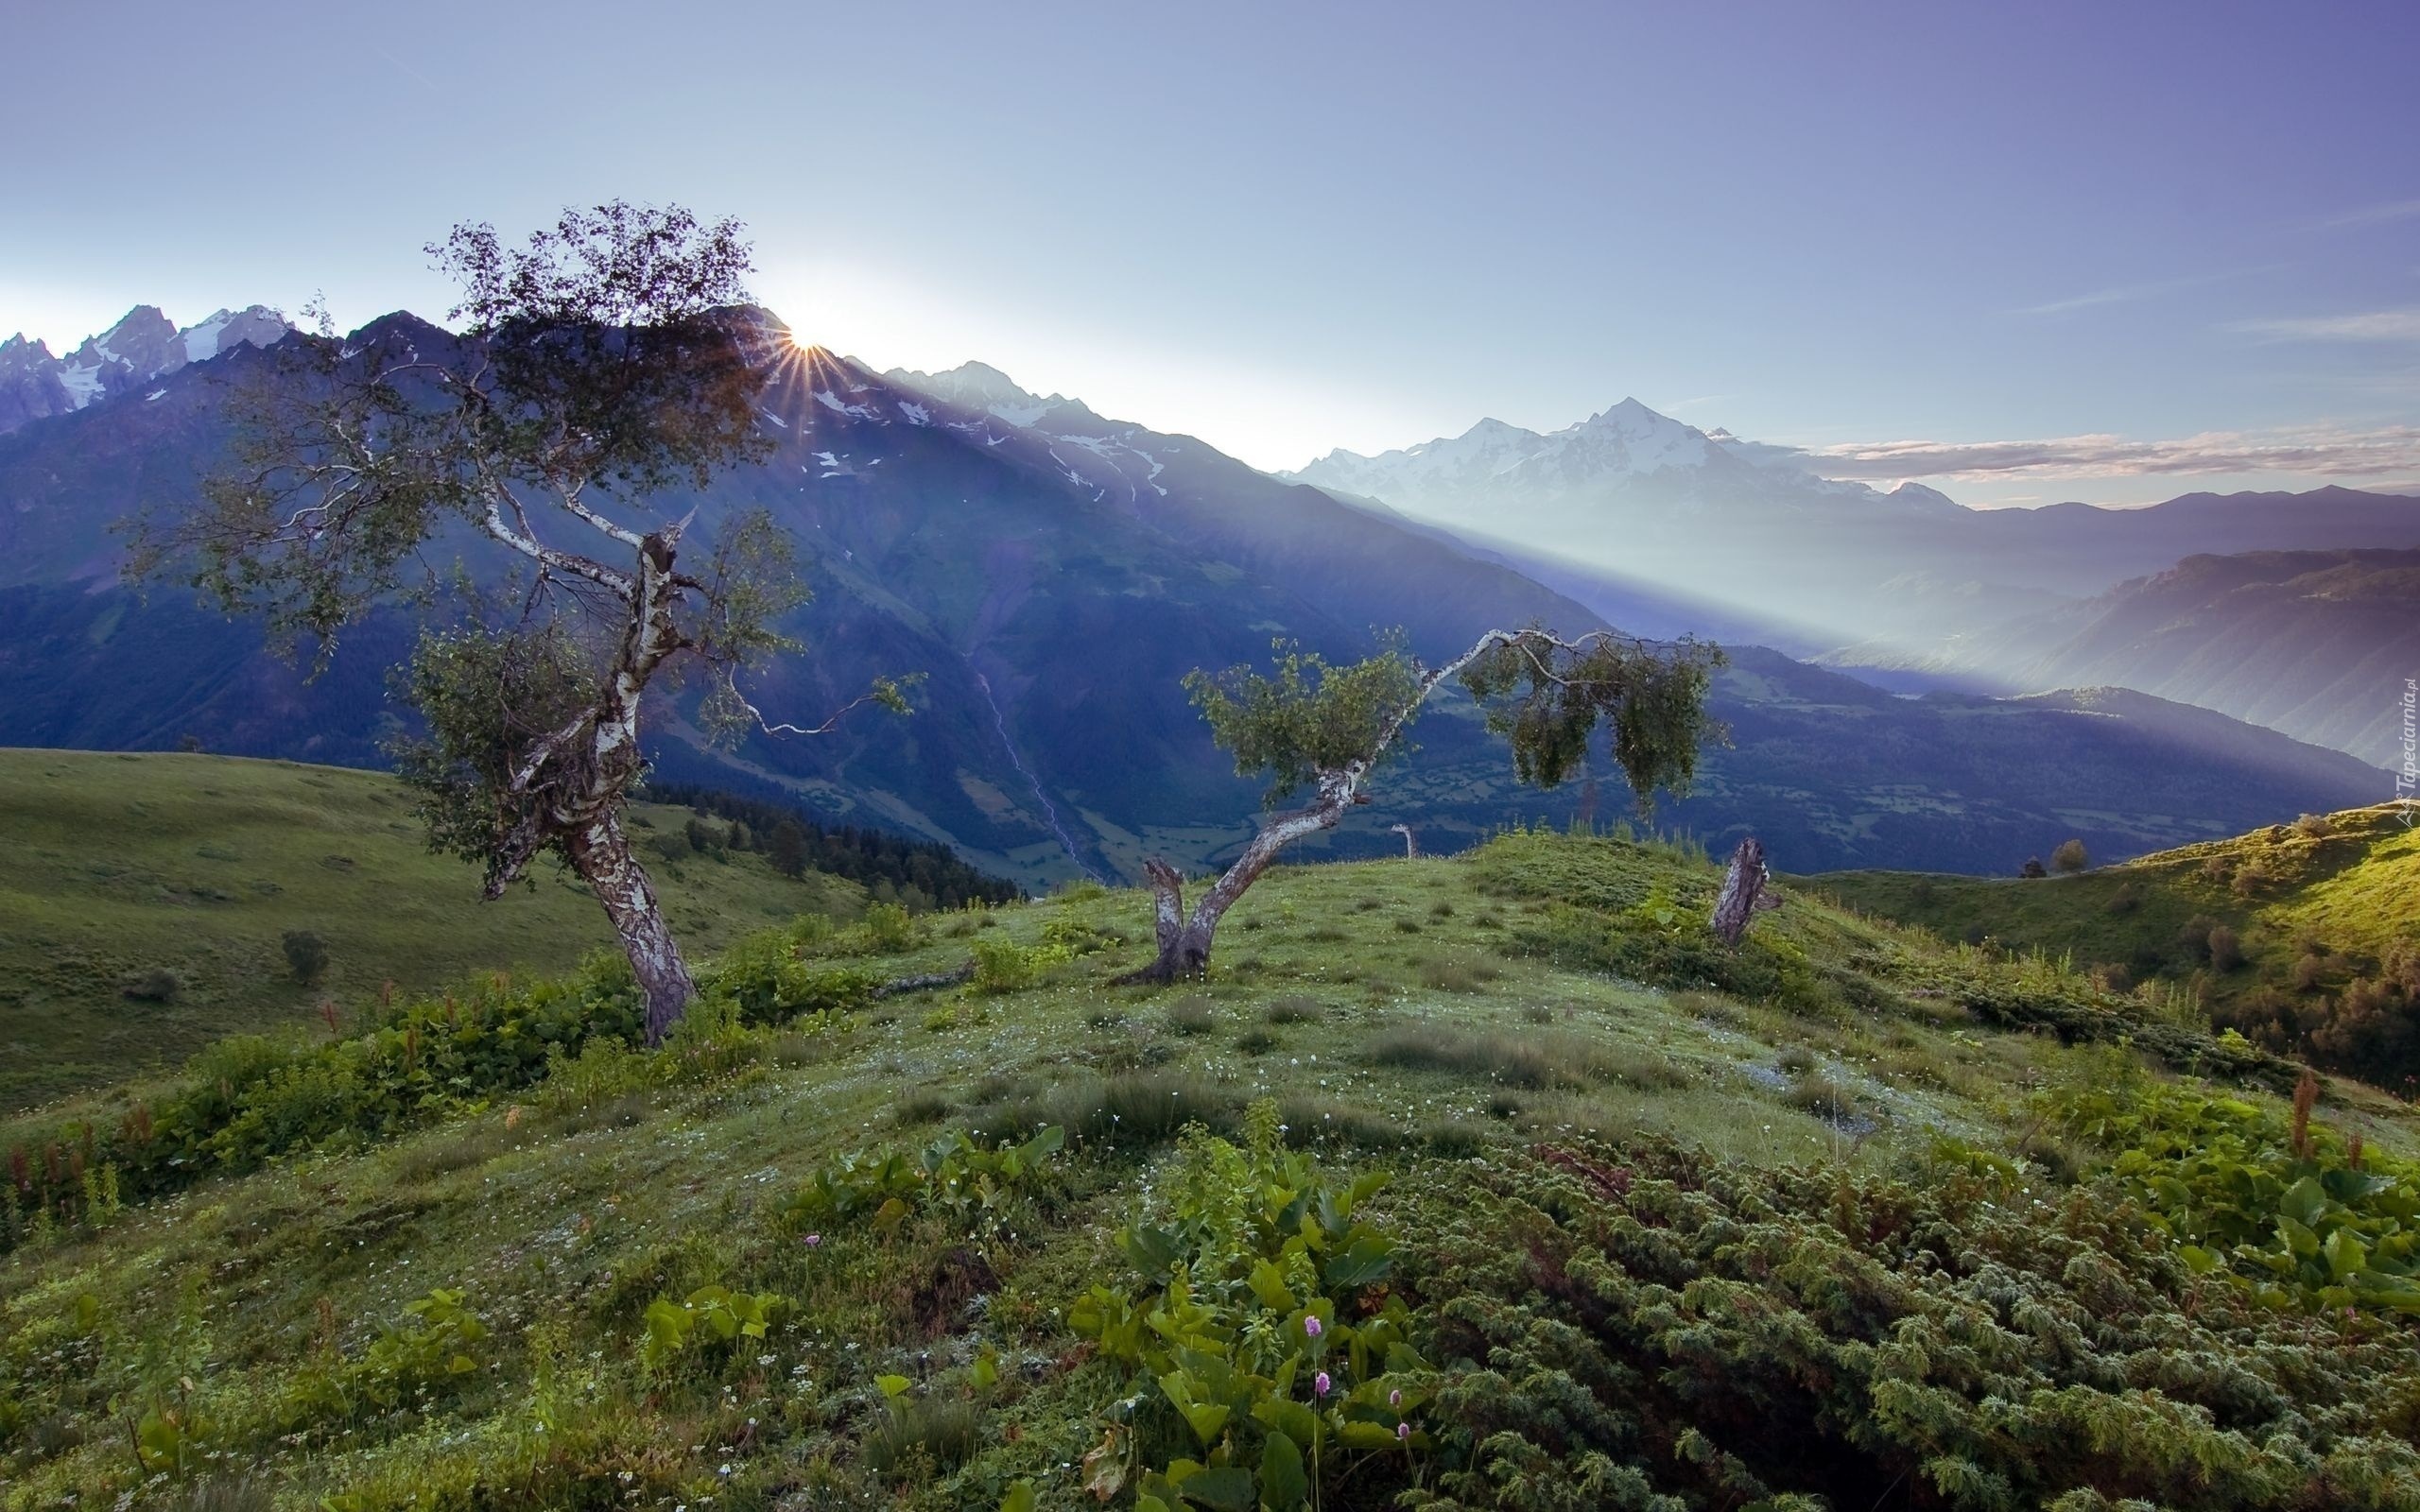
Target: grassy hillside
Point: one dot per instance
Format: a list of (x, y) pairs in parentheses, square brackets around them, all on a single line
[(2321, 950), (122, 868), (1829, 1217)]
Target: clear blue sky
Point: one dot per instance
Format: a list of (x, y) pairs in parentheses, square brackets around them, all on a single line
[(2190, 230)]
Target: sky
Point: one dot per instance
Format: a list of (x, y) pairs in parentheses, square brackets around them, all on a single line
[(2024, 253)]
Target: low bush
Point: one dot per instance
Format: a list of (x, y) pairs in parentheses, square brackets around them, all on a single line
[(1260, 1312), (1652, 1328)]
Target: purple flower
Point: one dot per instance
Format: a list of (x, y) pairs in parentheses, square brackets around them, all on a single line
[(813, 1240), (1394, 1398), (1311, 1326), (1319, 1383), (1403, 1433)]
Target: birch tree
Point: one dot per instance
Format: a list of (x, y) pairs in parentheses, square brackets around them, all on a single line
[(512, 485), (1326, 730)]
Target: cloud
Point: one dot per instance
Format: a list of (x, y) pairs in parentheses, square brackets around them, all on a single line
[(2372, 215), (2388, 452), (2371, 325), (2128, 292)]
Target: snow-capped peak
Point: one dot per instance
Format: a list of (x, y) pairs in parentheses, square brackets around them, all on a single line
[(143, 345), (980, 386)]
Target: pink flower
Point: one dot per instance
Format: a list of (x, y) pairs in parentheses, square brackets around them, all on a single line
[(1311, 1326), (813, 1240), (1319, 1383), (1403, 1433), (1394, 1398)]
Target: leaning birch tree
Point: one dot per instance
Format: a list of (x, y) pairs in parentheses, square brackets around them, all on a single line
[(1311, 727), (602, 364)]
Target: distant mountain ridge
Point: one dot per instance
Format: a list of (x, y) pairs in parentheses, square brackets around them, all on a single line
[(142, 346), (1653, 521), (1054, 573)]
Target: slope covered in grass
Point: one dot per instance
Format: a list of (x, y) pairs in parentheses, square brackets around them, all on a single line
[(147, 897), (2306, 937), (1587, 1211)]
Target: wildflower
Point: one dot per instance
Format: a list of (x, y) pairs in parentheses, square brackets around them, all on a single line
[(1394, 1398), (1311, 1326), (813, 1240), (1403, 1433), (1319, 1383)]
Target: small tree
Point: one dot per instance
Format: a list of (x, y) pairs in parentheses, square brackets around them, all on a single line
[(2070, 857), (785, 847), (603, 364), (307, 954), (1310, 725), (2032, 868)]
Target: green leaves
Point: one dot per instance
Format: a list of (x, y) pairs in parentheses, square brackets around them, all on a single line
[(953, 1175), (1547, 697), (2219, 1174), (1257, 1321), (1283, 1484), (717, 1312), (1308, 716)]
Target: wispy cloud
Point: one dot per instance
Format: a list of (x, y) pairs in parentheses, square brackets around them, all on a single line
[(2127, 293), (2392, 210), (2387, 452), (2369, 325)]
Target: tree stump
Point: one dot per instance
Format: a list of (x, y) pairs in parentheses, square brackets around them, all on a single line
[(1411, 844), (1746, 891)]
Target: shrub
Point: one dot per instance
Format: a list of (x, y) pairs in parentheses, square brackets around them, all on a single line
[(2125, 901), (890, 930), (2070, 858), (157, 984), (1260, 1309), (1004, 966), (246, 1099), (953, 1175), (927, 1435), (2032, 868), (1675, 1331), (307, 954), (1192, 1016), (1457, 975), (1291, 1009), (1494, 1058), (2226, 953), (2315, 827)]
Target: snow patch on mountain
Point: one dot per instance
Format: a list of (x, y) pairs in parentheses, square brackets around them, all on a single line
[(144, 345)]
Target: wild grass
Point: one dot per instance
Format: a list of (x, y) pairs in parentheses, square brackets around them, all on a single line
[(630, 1177)]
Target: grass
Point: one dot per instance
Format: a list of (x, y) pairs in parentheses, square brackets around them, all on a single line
[(146, 898), (2342, 882), (563, 1214)]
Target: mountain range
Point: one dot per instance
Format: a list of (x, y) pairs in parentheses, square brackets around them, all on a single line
[(1667, 527), (144, 345), (1054, 573), (2316, 643)]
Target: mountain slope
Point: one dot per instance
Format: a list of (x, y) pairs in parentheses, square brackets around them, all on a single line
[(1054, 573), (146, 344), (122, 867), (2315, 644), (2322, 958), (1654, 522), (512, 1293)]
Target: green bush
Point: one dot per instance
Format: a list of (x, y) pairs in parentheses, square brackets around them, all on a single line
[(249, 1099), (1653, 1328), (1260, 1315), (2302, 1220), (307, 954)]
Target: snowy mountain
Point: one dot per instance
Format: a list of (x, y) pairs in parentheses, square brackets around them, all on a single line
[(144, 345), (1641, 516), (1497, 477)]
